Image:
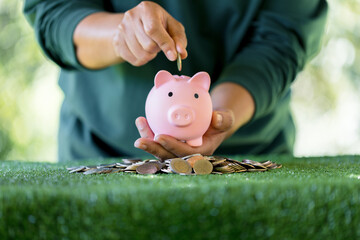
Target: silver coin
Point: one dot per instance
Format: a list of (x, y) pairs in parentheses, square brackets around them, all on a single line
[(131, 160), (148, 168), (77, 169), (166, 170), (93, 171), (110, 165), (121, 165), (257, 170), (192, 155)]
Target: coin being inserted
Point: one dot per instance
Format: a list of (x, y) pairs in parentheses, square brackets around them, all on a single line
[(179, 64), (180, 166)]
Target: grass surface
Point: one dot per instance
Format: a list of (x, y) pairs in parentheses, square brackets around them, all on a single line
[(309, 198)]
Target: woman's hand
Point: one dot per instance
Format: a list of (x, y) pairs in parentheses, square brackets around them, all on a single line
[(146, 30), (165, 147), (240, 108), (136, 36)]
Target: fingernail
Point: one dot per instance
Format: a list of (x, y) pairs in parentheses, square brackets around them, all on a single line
[(181, 50), (171, 55), (160, 141), (140, 125), (219, 119), (142, 146)]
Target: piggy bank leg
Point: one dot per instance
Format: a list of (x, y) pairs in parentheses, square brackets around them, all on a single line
[(197, 142)]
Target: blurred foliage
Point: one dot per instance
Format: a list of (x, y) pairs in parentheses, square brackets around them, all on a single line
[(20, 63), (326, 99), (339, 59), (23, 134)]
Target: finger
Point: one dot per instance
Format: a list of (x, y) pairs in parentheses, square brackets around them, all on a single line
[(143, 47), (121, 48), (153, 148), (222, 120), (175, 146), (143, 128), (177, 33), (145, 41), (180, 49), (141, 56), (155, 29)]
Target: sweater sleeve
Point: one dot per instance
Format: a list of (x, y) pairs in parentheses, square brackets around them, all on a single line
[(280, 39), (54, 23)]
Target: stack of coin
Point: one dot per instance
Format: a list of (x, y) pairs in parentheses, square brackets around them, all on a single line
[(195, 164)]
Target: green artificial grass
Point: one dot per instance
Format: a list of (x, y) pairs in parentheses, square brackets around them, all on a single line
[(309, 198)]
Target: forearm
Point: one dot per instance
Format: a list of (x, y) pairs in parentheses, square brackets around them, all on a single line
[(233, 97), (93, 39), (136, 36)]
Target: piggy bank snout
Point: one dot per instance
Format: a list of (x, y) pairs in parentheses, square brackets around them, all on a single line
[(181, 116)]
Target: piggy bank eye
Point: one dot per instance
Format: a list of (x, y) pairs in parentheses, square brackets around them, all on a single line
[(170, 94), (196, 95)]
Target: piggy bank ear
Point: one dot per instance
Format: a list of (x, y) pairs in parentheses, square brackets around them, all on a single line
[(162, 77), (201, 79)]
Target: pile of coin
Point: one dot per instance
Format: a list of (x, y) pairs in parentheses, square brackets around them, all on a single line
[(195, 164)]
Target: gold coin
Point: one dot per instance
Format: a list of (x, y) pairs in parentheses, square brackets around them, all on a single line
[(178, 165), (224, 169), (179, 64), (203, 166), (218, 162), (237, 167), (254, 163), (214, 158), (274, 166), (192, 160), (266, 163)]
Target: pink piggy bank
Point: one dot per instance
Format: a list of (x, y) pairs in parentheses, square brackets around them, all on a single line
[(180, 106)]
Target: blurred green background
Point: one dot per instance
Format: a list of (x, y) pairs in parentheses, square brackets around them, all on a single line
[(326, 95)]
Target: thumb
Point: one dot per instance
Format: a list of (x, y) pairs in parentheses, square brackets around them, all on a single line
[(222, 120)]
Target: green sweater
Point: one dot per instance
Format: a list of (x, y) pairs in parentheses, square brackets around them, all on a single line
[(259, 44)]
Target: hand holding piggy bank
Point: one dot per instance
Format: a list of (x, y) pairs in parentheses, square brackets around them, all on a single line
[(180, 106)]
